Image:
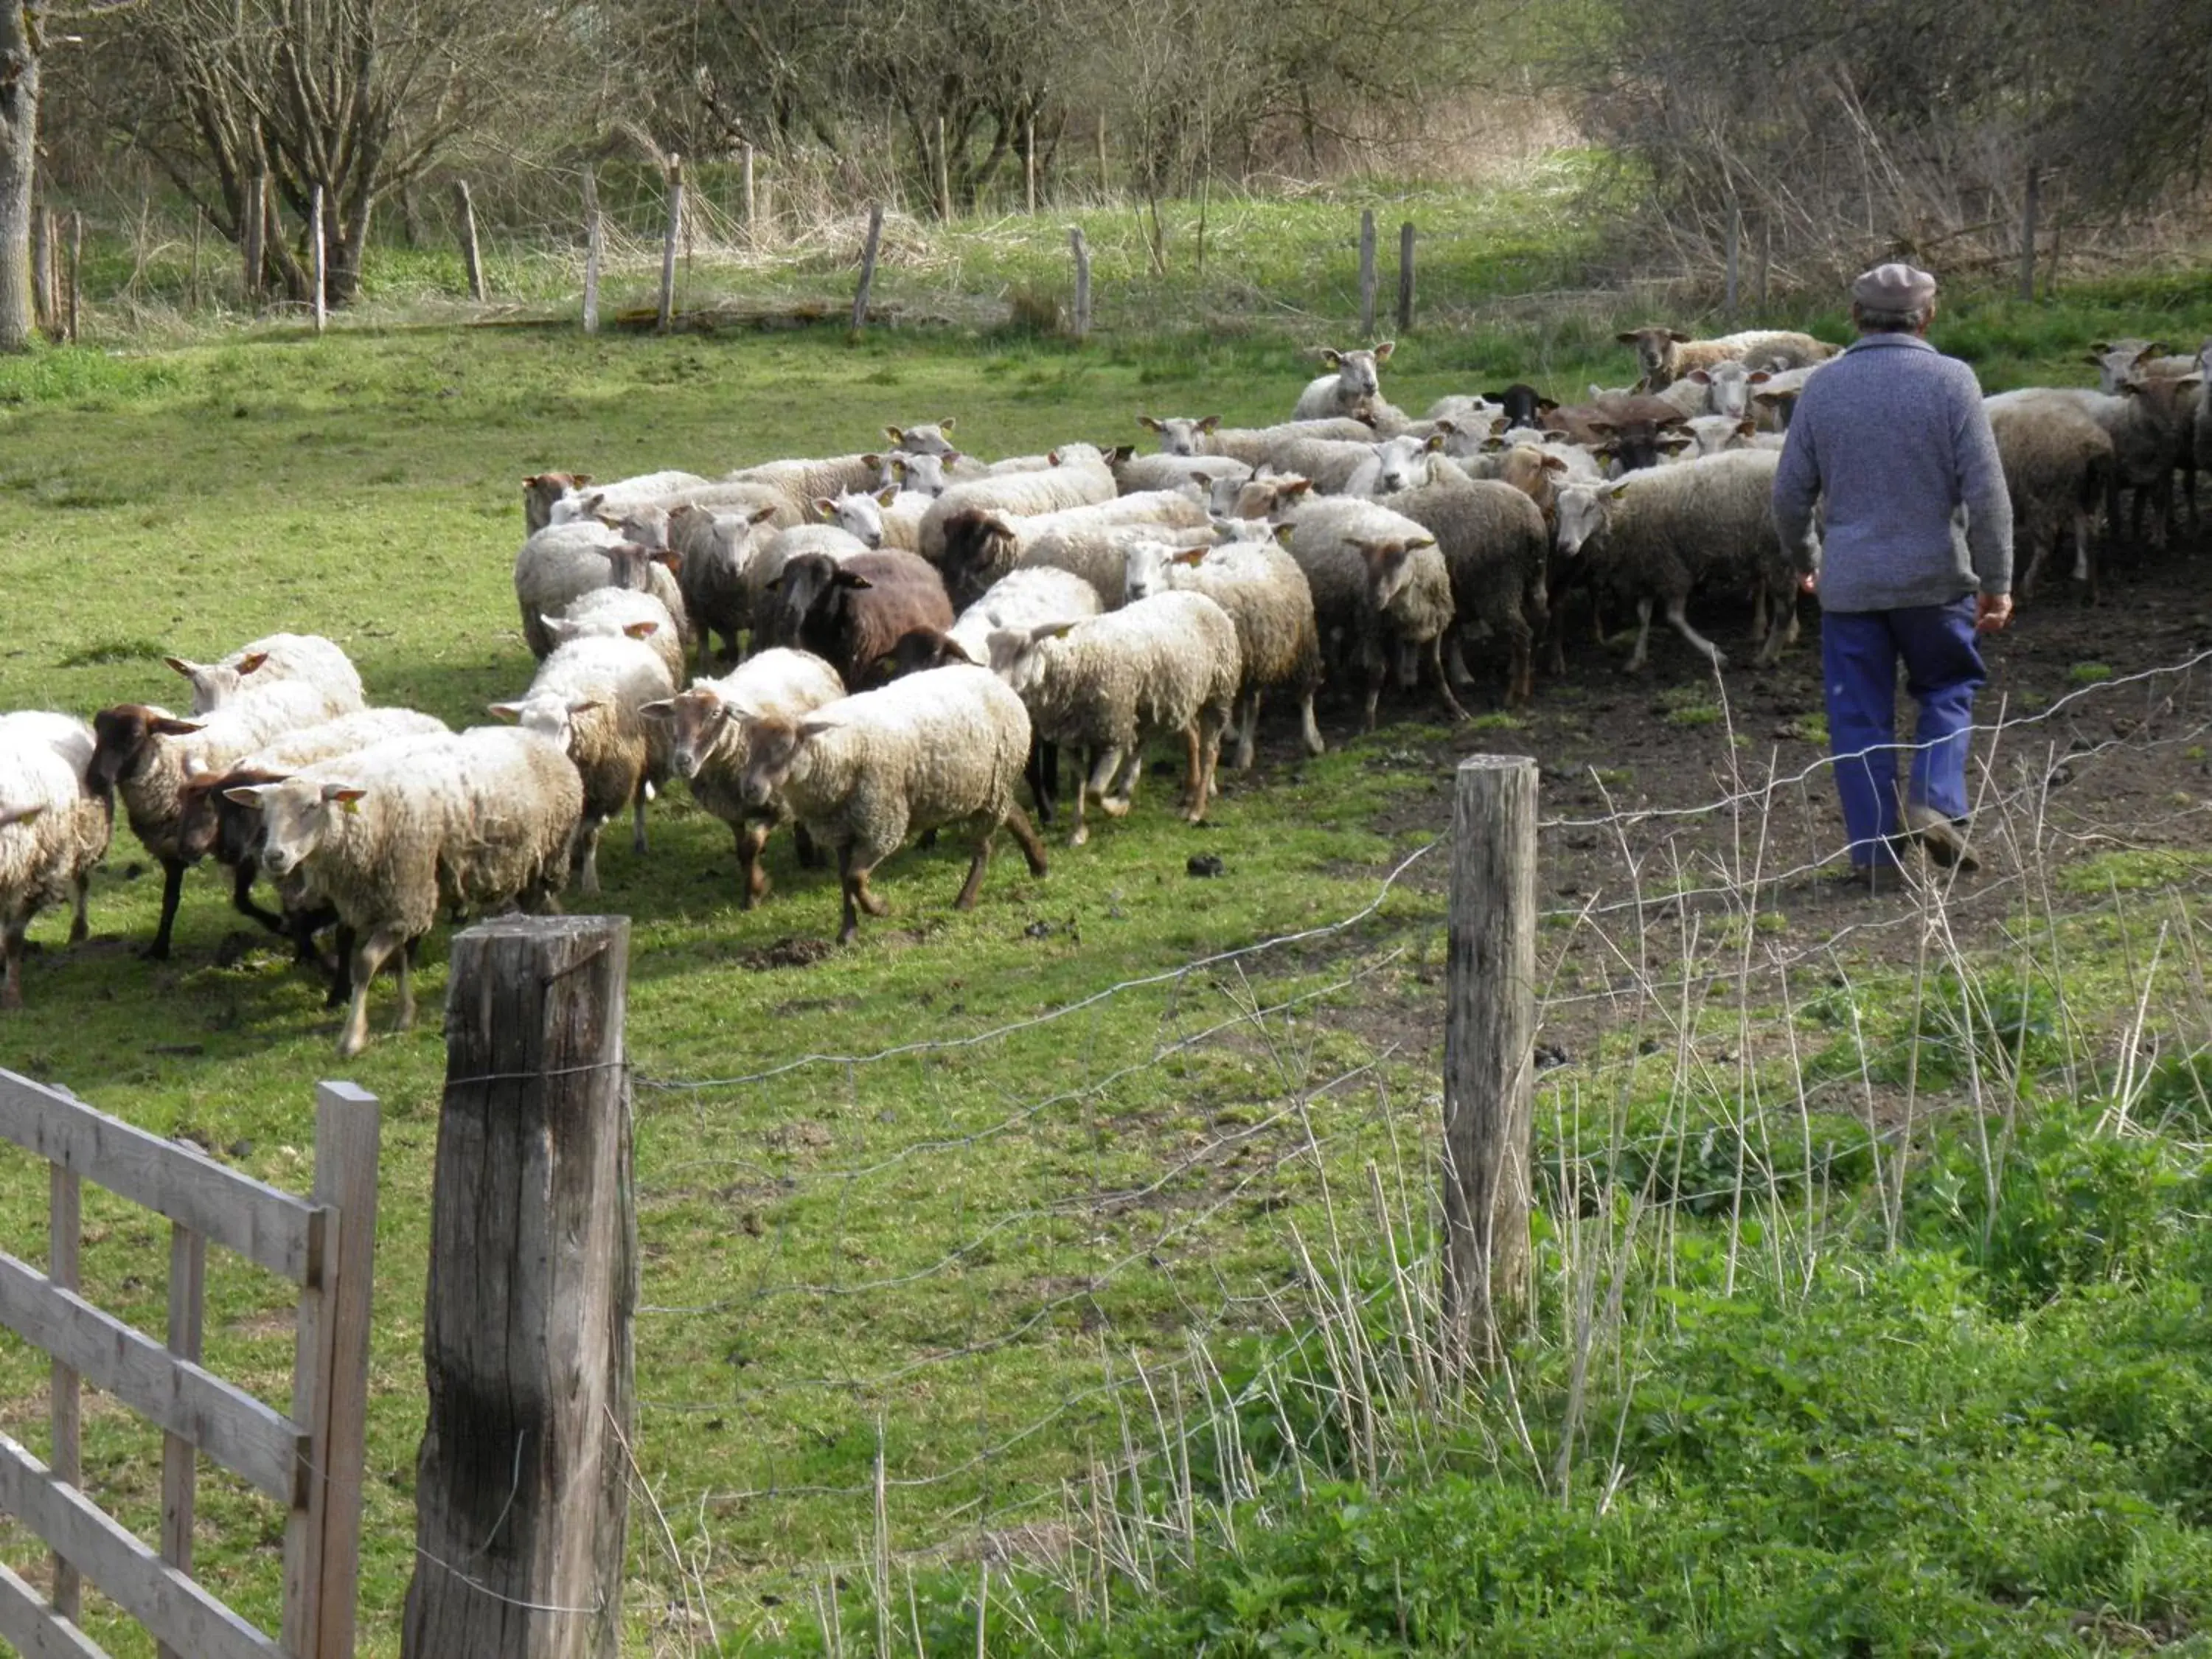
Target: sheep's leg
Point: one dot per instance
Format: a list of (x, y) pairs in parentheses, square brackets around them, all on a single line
[(1103, 774), (1761, 620), (1713, 653), (1032, 847), (1443, 680), (1041, 773), (1455, 662), (342, 970), (1638, 657), (1309, 729), (369, 956), (1194, 769), (1247, 730), (1409, 666), (1211, 724), (241, 899), (637, 818), (810, 855), (587, 855), (80, 928), (1081, 831), (751, 837), (172, 890), (11, 968), (406, 965), (977, 867), (1520, 673)]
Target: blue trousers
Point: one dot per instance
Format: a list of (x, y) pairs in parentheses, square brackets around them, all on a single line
[(1859, 653)]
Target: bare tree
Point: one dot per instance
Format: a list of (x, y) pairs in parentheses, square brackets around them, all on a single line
[(19, 151), (357, 98)]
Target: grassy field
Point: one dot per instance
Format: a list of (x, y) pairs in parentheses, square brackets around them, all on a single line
[(974, 1259)]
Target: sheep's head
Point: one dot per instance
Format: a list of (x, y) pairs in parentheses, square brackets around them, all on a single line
[(1581, 514), (922, 474), (860, 517), (216, 684), (976, 540), (1390, 566), (1727, 386), (541, 491), (1179, 434), (1715, 434), (917, 651), (211, 820), (699, 722), (1148, 566), (2116, 360), (772, 746), (1406, 463), (548, 714), (126, 736), (296, 816), (2167, 396), (1358, 373), (1655, 352), (923, 440)]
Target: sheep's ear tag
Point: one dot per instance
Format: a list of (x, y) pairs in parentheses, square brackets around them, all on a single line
[(1283, 532), (887, 497), (348, 798)]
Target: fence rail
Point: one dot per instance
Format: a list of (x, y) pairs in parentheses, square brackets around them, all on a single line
[(310, 1460)]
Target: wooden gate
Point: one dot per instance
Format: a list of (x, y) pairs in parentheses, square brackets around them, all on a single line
[(311, 1461)]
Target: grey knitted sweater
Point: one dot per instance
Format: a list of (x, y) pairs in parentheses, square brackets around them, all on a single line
[(1893, 438)]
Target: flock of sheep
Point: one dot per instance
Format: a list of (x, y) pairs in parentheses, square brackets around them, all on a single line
[(909, 635)]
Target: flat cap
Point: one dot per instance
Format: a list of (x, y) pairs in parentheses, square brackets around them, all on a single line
[(1893, 288)]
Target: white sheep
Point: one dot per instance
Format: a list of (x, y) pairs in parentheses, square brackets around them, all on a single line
[(716, 548), (1382, 592), (1262, 446), (1355, 381), (1664, 355), (980, 547), (2149, 423), (1081, 479), (265, 662), (933, 439), (563, 561), (586, 698), (1190, 475), (798, 484), (708, 748), (562, 497), (1658, 534), (487, 816), (52, 831), (879, 519), (2055, 458), (936, 748), (1493, 540), (628, 613), (917, 475), (1268, 599), (1168, 663)]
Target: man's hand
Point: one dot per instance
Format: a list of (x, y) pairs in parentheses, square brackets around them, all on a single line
[(1809, 582), (1991, 612)]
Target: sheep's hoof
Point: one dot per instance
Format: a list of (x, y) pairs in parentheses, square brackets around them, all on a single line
[(847, 935), (351, 1043), (1078, 837), (1115, 807), (79, 932)]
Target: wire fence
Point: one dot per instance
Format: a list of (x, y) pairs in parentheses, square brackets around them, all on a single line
[(989, 1295)]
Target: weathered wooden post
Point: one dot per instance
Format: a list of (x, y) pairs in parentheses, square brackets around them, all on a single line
[(521, 1492), (666, 319), (1102, 155), (868, 250), (1367, 273), (752, 202), (943, 175), (192, 270), (1734, 256), (594, 250), (1406, 277), (1029, 165), (318, 263), (2029, 205), (75, 268), (42, 272), (64, 1235), (471, 257), (255, 213), (1490, 1029), (1079, 323)]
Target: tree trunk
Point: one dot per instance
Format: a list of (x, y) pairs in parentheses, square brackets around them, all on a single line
[(19, 149)]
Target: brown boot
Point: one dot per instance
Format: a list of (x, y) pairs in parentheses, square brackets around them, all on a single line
[(1945, 841)]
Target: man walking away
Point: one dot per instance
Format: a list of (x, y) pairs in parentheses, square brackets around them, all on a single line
[(1893, 438)]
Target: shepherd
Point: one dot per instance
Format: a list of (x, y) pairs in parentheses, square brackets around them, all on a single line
[(1891, 439)]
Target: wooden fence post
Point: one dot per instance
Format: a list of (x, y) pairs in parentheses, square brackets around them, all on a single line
[(868, 250), (943, 175), (1102, 155), (75, 268), (1734, 256), (471, 257), (64, 1230), (595, 247), (42, 272), (522, 1488), (192, 272), (180, 1458), (1490, 1028), (1367, 273), (666, 319), (319, 266), (1029, 165), (1081, 322), (348, 1136), (2027, 210), (752, 202), (255, 213), (1406, 277)]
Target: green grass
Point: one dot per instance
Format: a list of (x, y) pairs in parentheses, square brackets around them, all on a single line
[(951, 1246)]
